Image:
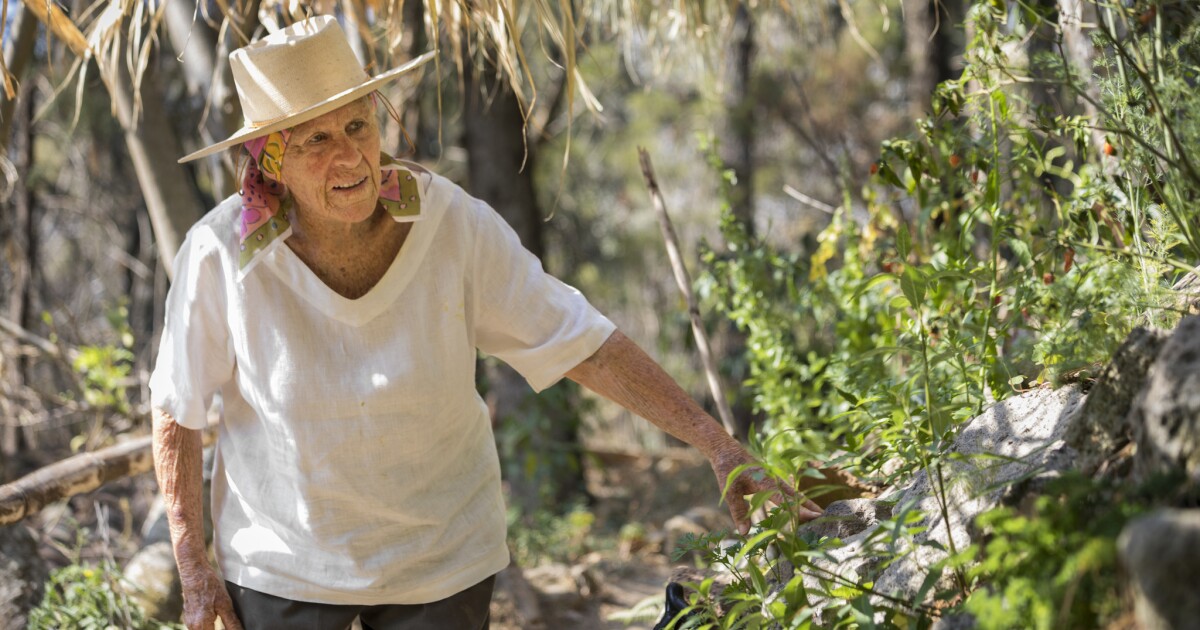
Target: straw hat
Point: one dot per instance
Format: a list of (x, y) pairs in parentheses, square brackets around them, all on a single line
[(297, 74)]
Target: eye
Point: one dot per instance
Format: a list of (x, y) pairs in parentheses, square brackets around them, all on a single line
[(356, 125), (316, 138)]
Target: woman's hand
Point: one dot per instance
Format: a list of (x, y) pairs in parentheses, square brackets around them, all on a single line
[(178, 453), (205, 599), (728, 457)]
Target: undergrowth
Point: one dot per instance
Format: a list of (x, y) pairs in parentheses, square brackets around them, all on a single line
[(1005, 245)]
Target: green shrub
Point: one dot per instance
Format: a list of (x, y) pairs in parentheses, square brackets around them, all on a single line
[(997, 250), (95, 597)]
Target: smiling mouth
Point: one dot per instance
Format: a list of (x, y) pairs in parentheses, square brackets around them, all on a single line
[(353, 185)]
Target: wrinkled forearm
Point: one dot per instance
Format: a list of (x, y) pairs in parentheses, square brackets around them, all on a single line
[(178, 457), (622, 372)]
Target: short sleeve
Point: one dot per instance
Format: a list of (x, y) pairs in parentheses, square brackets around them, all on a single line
[(195, 355), (525, 317)]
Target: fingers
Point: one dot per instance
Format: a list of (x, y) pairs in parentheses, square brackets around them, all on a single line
[(740, 511), (228, 617), (230, 620)]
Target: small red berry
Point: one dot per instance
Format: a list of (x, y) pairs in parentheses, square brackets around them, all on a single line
[(1109, 149), (955, 160)]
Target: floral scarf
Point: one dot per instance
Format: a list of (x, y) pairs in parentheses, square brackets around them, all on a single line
[(266, 206)]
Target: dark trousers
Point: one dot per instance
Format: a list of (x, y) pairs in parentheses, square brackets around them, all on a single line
[(468, 610)]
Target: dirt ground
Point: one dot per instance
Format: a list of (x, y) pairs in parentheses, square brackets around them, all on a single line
[(620, 586)]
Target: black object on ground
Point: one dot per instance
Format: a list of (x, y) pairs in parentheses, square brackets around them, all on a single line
[(676, 603)]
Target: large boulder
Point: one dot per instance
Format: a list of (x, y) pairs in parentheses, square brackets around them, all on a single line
[(843, 519), (1166, 416), (155, 580), (1160, 553), (1102, 429), (1009, 443), (23, 576), (1012, 442)]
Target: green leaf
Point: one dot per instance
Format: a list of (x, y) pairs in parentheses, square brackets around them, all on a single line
[(903, 242), (912, 285)]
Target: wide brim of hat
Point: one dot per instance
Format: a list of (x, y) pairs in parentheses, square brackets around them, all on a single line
[(249, 133)]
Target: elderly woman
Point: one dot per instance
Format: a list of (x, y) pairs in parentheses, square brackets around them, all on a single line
[(337, 304)]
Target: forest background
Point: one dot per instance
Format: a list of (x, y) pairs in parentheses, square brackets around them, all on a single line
[(896, 211)]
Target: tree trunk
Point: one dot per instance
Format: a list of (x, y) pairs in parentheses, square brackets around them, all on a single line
[(17, 55), (1081, 55), (209, 80), (171, 199), (928, 46), (738, 147), (19, 230), (420, 116), (494, 136), (737, 151)]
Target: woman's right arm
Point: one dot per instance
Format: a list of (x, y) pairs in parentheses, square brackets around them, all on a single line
[(178, 457)]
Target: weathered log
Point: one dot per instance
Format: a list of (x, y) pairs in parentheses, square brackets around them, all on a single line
[(76, 475)]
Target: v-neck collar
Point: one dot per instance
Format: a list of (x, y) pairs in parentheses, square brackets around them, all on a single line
[(294, 273)]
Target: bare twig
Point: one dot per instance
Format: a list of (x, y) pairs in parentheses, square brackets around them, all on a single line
[(685, 287), (49, 348), (808, 201)]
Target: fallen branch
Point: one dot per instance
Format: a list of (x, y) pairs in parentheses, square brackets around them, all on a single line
[(685, 286), (76, 475)]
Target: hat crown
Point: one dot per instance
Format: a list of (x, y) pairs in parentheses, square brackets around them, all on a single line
[(294, 69)]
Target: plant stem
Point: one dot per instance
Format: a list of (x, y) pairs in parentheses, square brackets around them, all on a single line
[(930, 410)]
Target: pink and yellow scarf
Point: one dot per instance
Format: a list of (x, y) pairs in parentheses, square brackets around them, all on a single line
[(266, 205)]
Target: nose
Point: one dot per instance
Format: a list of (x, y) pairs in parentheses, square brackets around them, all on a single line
[(345, 153)]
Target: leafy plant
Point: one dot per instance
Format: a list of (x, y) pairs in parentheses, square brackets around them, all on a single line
[(91, 598), (996, 250), (546, 536)]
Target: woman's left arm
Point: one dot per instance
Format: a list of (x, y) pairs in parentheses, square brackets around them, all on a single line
[(622, 372)]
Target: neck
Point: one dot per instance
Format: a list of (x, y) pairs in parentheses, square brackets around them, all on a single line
[(318, 235), (348, 258)]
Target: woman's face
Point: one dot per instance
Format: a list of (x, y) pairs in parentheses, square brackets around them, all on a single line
[(331, 166)]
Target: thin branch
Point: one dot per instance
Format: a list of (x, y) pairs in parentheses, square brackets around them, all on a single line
[(685, 287), (808, 201), (49, 348)]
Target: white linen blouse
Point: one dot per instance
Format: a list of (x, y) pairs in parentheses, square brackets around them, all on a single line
[(355, 462)]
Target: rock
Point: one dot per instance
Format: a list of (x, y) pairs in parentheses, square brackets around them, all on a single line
[(1101, 428), (557, 586), (23, 576), (1026, 431), (155, 580), (844, 519), (1161, 551), (1166, 416)]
